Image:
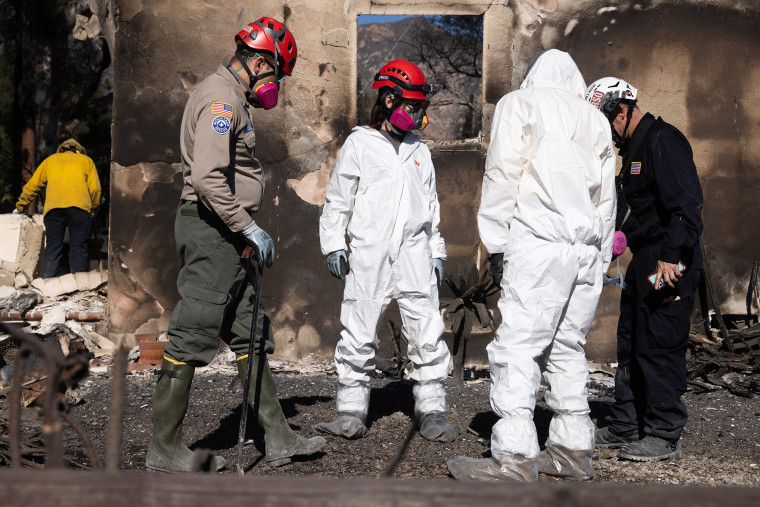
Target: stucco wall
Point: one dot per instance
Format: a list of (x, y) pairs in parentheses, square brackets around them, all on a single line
[(693, 62)]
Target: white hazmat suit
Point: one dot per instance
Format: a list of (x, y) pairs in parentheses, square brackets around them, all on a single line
[(387, 202), (548, 204)]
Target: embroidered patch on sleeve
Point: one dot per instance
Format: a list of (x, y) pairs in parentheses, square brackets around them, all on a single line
[(221, 125), (222, 109), (247, 128), (635, 167)]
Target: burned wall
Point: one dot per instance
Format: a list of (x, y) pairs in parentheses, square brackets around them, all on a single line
[(698, 78), (694, 64), (163, 49)]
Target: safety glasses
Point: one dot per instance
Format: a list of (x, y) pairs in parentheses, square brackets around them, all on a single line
[(413, 106)]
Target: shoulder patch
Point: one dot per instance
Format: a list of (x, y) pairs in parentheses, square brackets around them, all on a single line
[(247, 128), (221, 124), (635, 167), (222, 109)]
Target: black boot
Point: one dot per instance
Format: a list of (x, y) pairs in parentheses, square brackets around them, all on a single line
[(167, 453), (651, 448), (281, 442), (605, 438)]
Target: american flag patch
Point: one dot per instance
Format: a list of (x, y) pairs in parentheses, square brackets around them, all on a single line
[(222, 109), (635, 167)]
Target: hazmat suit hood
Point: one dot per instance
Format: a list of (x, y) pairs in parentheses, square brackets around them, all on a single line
[(72, 143), (555, 69)]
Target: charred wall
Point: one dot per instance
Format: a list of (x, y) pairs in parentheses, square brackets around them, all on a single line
[(163, 50), (698, 77), (694, 65)]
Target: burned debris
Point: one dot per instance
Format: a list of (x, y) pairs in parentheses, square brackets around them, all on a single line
[(727, 355)]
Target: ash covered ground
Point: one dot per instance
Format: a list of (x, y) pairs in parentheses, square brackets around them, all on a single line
[(720, 443)]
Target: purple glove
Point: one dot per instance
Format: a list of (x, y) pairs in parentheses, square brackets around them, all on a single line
[(619, 243)]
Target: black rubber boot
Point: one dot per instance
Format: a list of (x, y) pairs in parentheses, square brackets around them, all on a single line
[(281, 442), (167, 453)]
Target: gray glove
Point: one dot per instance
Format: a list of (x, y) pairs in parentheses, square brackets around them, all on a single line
[(334, 263), (439, 271), (496, 267), (261, 243), (16, 211)]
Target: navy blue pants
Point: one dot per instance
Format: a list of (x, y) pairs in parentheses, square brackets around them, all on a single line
[(78, 221), (652, 335)]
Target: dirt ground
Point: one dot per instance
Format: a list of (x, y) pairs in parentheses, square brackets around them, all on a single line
[(720, 442)]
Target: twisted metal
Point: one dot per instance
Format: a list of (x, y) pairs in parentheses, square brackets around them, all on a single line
[(62, 372)]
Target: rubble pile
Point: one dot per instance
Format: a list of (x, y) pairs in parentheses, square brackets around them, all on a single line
[(732, 364), (726, 354), (71, 317), (32, 448)]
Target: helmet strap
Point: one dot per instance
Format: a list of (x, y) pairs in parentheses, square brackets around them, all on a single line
[(388, 111), (243, 59), (275, 34), (620, 140), (396, 133)]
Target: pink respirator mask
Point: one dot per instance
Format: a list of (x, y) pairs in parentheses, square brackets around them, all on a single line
[(267, 95), (406, 122), (619, 243)]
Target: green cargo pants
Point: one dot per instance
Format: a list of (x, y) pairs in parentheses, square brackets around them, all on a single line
[(216, 301)]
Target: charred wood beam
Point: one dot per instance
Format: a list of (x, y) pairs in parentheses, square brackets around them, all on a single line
[(706, 272), (65, 487), (116, 416)]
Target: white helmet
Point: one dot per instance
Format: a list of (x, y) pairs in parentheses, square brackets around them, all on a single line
[(607, 93)]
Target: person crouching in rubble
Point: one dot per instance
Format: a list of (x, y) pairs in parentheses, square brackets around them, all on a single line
[(547, 217), (662, 199), (223, 185), (382, 192), (72, 194)]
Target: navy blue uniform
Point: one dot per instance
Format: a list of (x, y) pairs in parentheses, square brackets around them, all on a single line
[(662, 188)]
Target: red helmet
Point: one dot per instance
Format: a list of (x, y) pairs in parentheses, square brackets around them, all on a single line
[(270, 35), (405, 78)]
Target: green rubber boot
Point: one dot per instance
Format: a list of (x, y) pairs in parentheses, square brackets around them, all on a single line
[(167, 453), (281, 442)]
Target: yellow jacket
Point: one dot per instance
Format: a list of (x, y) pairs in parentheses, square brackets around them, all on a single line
[(71, 180)]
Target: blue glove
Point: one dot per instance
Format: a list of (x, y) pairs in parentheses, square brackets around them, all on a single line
[(334, 260), (261, 243), (438, 267)]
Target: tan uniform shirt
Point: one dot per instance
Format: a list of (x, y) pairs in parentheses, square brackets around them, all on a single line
[(219, 167)]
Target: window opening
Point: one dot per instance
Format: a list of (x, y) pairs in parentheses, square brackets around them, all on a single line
[(448, 49)]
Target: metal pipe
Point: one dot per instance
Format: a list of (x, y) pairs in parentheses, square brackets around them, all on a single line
[(11, 316)]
